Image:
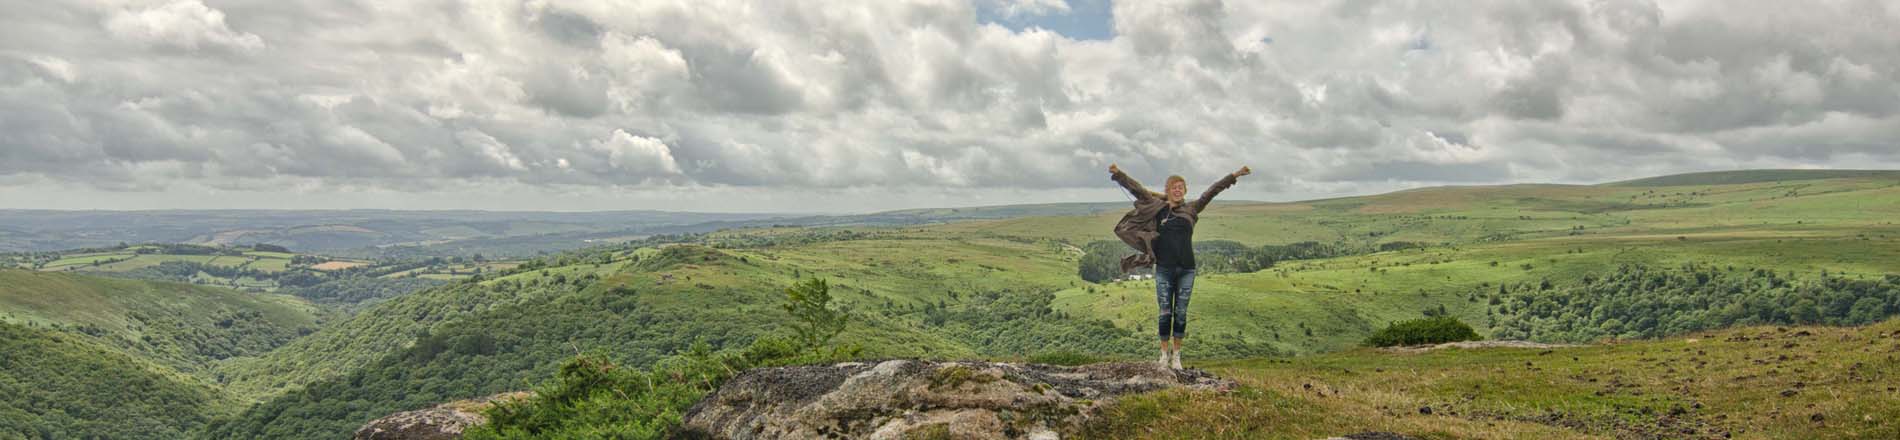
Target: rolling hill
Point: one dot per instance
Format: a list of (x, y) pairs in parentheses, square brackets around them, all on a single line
[(1512, 260), (92, 357), (186, 327), (1552, 263), (55, 384)]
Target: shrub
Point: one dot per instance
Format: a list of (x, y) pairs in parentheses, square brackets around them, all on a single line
[(810, 302), (1432, 330), (591, 397)]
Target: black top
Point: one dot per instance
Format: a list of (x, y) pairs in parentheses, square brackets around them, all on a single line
[(1174, 248)]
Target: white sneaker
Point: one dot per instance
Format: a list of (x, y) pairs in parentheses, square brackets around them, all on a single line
[(1175, 360), (1164, 359)]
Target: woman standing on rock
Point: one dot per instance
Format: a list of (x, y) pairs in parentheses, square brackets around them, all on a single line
[(1161, 227)]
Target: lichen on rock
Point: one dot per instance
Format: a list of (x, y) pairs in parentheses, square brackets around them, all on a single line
[(901, 399)]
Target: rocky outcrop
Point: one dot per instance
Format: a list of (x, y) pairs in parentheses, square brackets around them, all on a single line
[(921, 399), (443, 422)]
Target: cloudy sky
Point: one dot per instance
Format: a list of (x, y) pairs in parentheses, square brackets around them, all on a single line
[(842, 106)]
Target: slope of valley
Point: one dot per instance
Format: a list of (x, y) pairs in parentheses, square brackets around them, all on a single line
[(112, 358)]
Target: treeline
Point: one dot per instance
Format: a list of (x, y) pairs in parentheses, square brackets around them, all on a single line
[(1101, 260), (39, 260), (360, 289), (185, 271), (809, 236), (185, 249), (347, 286), (188, 271), (1637, 301)]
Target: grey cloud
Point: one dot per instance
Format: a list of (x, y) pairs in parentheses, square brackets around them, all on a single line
[(567, 90), (1537, 96), (1420, 172), (797, 96), (570, 28), (1171, 28), (738, 80)]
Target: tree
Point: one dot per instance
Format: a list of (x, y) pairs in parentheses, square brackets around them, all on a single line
[(809, 302), (1867, 310)]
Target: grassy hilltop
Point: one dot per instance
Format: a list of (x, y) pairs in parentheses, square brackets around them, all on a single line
[(1750, 382)]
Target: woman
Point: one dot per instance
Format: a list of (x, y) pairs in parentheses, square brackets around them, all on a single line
[(1161, 227)]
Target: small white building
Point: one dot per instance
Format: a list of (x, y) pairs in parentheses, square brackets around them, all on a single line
[(1138, 276)]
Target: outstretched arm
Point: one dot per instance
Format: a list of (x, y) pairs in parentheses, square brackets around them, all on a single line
[(1215, 189), (1129, 183)]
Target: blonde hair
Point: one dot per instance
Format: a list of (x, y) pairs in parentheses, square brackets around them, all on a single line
[(1171, 179)]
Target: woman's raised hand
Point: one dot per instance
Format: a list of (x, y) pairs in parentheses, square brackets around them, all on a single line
[(1243, 171)]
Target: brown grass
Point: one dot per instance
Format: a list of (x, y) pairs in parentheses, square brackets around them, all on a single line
[(1757, 382), (337, 265)]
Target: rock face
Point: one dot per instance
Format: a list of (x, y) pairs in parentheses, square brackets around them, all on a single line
[(443, 422), (903, 399)]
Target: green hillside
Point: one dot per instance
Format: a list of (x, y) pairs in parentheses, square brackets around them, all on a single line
[(643, 305), (59, 385), (186, 327), (93, 357)]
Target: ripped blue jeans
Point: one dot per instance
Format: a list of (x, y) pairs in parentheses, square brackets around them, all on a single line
[(1173, 286)]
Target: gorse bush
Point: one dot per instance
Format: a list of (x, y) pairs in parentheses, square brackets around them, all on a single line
[(1432, 330), (592, 398)]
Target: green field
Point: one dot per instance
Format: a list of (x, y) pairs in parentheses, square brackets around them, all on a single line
[(245, 269), (127, 261)]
